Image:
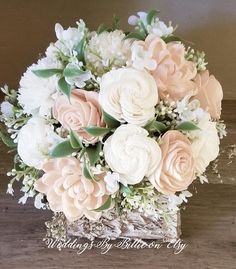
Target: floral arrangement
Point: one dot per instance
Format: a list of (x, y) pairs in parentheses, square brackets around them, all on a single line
[(112, 121)]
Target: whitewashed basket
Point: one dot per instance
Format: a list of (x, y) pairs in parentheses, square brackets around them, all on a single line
[(133, 225)]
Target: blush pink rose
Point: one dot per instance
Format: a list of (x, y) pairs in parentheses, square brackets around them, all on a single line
[(176, 171), (209, 93), (68, 191), (173, 73), (82, 110)]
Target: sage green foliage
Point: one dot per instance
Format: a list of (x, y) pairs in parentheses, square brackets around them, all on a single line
[(93, 153), (156, 126), (110, 121), (187, 126), (87, 172), (105, 206), (47, 73), (63, 149), (64, 87), (6, 139), (97, 131)]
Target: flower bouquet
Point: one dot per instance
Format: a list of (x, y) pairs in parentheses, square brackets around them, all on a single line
[(110, 128)]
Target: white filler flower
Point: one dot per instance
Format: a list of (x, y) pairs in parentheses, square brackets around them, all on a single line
[(129, 95), (205, 145), (131, 153), (141, 58), (35, 140), (36, 93), (157, 27)]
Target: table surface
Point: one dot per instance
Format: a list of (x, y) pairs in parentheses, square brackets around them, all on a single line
[(208, 227)]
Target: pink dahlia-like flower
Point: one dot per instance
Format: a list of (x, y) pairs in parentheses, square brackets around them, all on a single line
[(209, 93), (82, 110), (68, 191), (173, 73)]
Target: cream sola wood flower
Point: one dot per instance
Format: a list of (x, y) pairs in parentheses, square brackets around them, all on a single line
[(129, 95), (132, 154)]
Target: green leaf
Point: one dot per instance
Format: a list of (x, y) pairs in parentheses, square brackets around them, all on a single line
[(115, 22), (80, 49), (46, 73), (135, 35), (144, 30), (152, 15), (156, 126), (63, 149), (102, 28), (64, 87), (125, 189), (171, 38), (105, 206), (97, 131), (110, 121), (73, 72), (93, 153), (8, 141), (87, 172), (75, 141), (187, 126)]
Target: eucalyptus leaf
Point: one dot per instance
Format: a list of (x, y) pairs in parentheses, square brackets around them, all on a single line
[(46, 73), (171, 38), (75, 140), (64, 87), (93, 153), (87, 172), (187, 126), (105, 206), (125, 189), (8, 141), (156, 126), (63, 149), (152, 15), (135, 35), (110, 121), (80, 49), (73, 72), (97, 131)]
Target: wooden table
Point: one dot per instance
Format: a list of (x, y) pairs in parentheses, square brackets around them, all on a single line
[(208, 226)]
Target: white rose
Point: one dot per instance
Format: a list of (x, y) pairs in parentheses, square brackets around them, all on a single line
[(131, 153), (34, 142), (205, 145), (129, 95)]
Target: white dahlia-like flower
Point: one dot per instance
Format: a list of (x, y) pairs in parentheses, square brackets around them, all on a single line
[(129, 95), (36, 93), (106, 51), (35, 139), (132, 154)]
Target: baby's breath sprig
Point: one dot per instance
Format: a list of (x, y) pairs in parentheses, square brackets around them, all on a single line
[(198, 57), (28, 176)]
